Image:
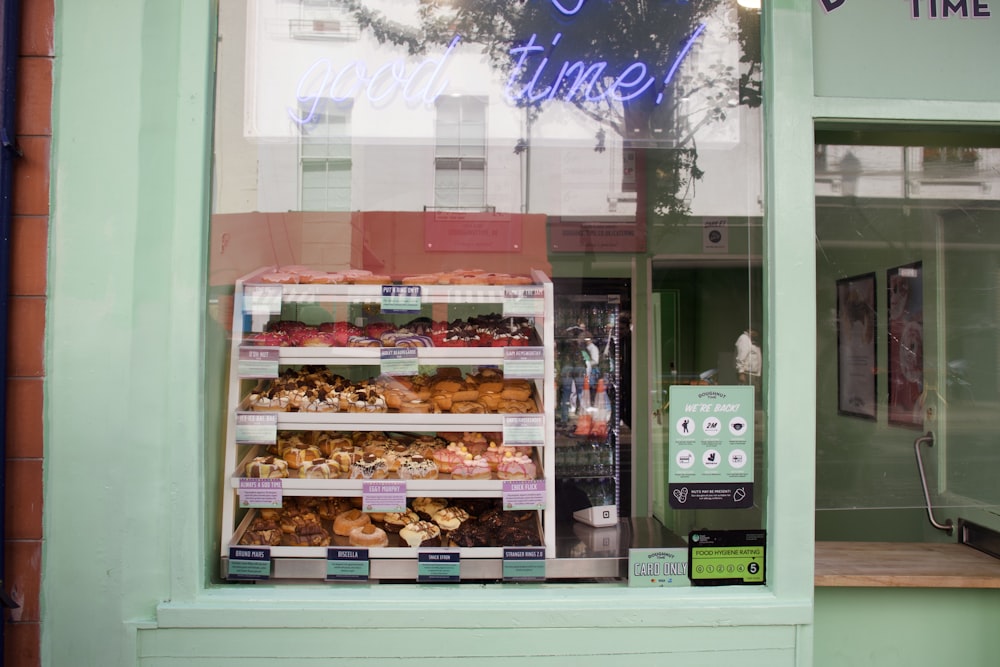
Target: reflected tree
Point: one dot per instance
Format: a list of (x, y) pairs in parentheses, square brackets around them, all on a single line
[(619, 62)]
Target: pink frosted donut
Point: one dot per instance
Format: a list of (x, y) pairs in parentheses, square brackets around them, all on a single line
[(473, 467), (516, 466), (448, 457)]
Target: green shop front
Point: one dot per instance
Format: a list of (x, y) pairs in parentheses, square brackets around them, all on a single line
[(559, 331)]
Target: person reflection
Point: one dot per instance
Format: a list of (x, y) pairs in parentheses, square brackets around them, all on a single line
[(748, 357)]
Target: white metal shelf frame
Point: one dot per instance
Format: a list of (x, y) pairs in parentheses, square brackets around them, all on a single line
[(356, 357)]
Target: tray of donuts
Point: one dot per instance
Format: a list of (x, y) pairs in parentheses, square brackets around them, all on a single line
[(489, 330), (375, 455), (318, 389), (310, 521)]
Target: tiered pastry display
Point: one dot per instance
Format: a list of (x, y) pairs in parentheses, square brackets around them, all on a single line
[(380, 455), (448, 522), (344, 420)]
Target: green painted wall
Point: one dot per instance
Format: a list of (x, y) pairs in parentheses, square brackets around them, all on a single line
[(130, 505)]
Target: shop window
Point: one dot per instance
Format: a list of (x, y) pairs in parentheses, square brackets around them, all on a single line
[(460, 155), (908, 350), (325, 162), (414, 188)]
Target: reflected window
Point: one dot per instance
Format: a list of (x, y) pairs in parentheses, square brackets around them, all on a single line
[(908, 270), (325, 162), (460, 156)]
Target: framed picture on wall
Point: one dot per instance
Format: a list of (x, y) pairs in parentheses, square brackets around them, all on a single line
[(905, 299), (856, 346)]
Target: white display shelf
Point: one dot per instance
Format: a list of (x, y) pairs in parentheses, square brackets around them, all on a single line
[(234, 521)]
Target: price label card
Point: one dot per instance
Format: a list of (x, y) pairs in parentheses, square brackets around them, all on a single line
[(347, 564), (256, 428), (524, 495), (401, 298), (523, 301), (249, 563), (258, 362), (383, 496), (262, 299), (524, 430), (523, 564), (260, 493), (524, 362), (658, 568), (399, 361), (726, 557), (438, 566)]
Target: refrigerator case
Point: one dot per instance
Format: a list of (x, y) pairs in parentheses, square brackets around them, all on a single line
[(591, 333)]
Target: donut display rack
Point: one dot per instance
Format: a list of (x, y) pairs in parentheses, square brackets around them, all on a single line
[(466, 327)]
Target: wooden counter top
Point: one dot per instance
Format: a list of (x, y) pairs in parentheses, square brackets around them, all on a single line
[(915, 565)]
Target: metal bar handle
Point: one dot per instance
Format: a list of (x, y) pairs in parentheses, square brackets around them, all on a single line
[(929, 439)]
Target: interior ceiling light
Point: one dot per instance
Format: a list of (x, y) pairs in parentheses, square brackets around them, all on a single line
[(749, 4)]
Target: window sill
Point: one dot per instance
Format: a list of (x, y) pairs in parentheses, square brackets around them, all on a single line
[(904, 565)]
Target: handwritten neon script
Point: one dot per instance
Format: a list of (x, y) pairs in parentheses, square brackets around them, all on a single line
[(577, 81)]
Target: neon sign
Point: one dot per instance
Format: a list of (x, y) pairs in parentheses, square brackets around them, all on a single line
[(632, 82), (562, 8), (576, 82)]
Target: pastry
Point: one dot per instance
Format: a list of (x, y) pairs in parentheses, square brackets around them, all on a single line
[(292, 520), (279, 277), (309, 535), (448, 457), (469, 534), (426, 507), (394, 521), (368, 536), (295, 457), (319, 469), (421, 534), (450, 518), (494, 454), (516, 466), (468, 408), (472, 467), (369, 466), (417, 467), (266, 467), (347, 521), (262, 532), (329, 508)]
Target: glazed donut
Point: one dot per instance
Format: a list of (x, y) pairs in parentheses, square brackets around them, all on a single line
[(347, 521), (296, 457), (266, 467), (319, 469), (426, 507), (394, 521), (368, 536), (450, 518)]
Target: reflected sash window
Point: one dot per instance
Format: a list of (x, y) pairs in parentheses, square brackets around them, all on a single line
[(460, 153)]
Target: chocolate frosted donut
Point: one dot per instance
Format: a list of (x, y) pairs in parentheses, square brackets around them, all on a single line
[(470, 534)]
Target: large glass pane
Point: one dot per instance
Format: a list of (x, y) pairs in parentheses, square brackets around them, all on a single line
[(908, 224), (606, 153)]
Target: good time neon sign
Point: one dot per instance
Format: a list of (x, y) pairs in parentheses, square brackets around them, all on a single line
[(538, 75)]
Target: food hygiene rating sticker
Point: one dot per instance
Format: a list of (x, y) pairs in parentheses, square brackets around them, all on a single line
[(726, 557)]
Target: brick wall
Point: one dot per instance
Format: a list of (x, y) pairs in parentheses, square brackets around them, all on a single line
[(26, 367)]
